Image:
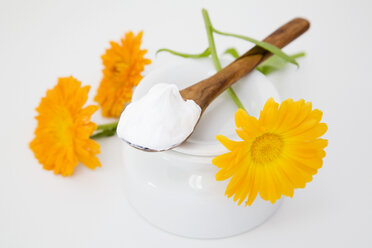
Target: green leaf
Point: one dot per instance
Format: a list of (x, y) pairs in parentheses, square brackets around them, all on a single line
[(271, 48), (276, 63), (232, 51), (204, 54)]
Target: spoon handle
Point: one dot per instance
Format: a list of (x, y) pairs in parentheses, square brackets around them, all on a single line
[(204, 92)]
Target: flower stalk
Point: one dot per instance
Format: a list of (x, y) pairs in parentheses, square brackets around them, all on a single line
[(107, 126), (217, 64), (105, 130)]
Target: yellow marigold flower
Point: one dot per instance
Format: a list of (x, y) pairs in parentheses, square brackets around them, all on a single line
[(279, 153), (123, 64), (64, 127)]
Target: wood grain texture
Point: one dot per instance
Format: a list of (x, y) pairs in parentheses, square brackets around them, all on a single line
[(205, 91)]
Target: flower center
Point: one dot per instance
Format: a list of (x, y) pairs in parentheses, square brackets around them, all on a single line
[(64, 130), (266, 148)]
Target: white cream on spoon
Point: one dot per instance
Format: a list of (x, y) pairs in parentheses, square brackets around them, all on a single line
[(159, 120)]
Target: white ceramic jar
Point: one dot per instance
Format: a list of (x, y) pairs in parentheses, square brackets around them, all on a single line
[(176, 190)]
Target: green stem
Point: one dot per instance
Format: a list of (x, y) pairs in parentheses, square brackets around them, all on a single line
[(298, 55), (212, 46), (267, 46), (107, 126), (216, 61), (104, 133), (105, 130), (204, 54)]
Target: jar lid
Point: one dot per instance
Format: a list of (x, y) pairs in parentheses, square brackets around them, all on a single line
[(253, 90)]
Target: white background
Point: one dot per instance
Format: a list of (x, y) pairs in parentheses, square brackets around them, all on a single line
[(43, 40)]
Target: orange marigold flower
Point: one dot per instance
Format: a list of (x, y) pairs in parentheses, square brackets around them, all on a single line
[(123, 64), (64, 127), (280, 151)]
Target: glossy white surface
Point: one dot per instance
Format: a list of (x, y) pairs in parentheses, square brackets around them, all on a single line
[(41, 40), (179, 194), (185, 197)]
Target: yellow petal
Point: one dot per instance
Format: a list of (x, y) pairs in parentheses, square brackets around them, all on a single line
[(269, 114), (229, 144), (235, 181), (255, 186), (246, 122)]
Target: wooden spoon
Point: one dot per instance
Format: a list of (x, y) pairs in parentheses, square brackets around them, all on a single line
[(205, 91)]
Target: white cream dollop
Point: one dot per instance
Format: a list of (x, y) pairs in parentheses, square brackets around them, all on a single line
[(159, 120)]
